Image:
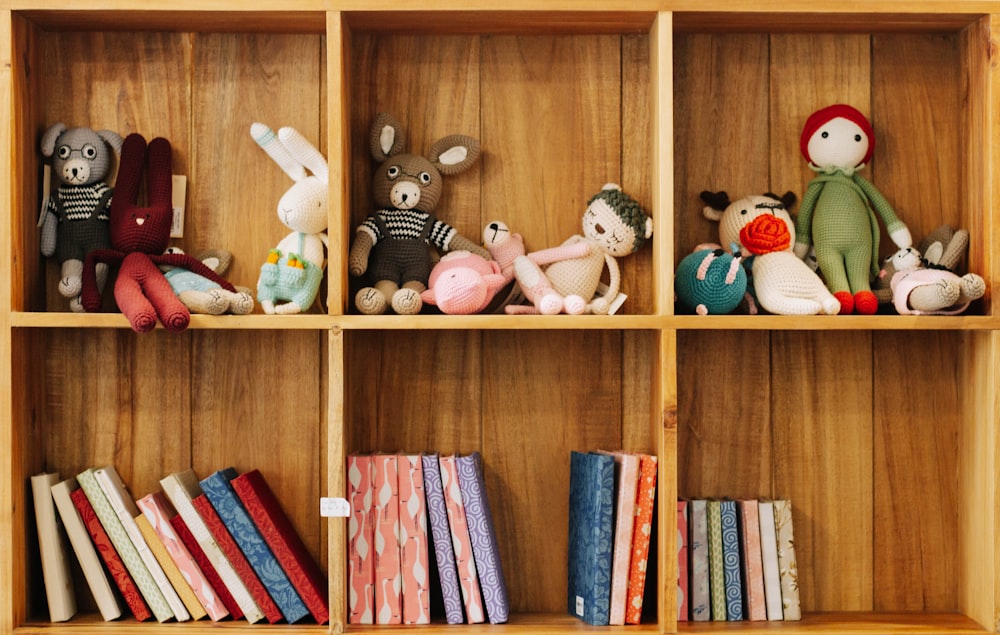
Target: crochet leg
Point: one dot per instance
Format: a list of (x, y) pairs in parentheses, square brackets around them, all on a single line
[(536, 287), (130, 298)]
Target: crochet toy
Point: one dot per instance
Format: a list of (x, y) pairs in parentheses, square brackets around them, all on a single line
[(290, 277), (75, 219), (504, 247), (838, 210), (928, 285), (463, 282), (139, 237), (566, 278), (784, 284), (392, 245), (201, 295), (711, 281)]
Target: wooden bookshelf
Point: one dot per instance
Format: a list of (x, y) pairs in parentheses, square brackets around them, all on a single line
[(881, 430)]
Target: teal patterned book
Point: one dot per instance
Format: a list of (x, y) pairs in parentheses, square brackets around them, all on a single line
[(732, 571), (591, 493), (123, 545), (716, 577), (227, 504)]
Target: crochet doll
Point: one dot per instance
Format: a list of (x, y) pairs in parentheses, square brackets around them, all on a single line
[(565, 278), (838, 211), (139, 236), (392, 245)]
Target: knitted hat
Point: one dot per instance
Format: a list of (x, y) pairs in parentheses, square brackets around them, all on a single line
[(628, 210), (824, 115)]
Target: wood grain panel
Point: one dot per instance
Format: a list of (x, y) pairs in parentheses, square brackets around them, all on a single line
[(537, 407), (638, 168), (822, 391)]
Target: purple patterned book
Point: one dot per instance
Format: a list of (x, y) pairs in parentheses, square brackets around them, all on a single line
[(444, 553), (484, 539)]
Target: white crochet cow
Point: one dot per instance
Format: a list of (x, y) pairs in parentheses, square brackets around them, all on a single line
[(761, 226)]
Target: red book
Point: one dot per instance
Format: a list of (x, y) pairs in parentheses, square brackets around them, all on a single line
[(288, 548), (206, 566), (237, 559), (131, 593)]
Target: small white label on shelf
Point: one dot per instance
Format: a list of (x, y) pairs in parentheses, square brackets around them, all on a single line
[(178, 196), (579, 606), (334, 508)]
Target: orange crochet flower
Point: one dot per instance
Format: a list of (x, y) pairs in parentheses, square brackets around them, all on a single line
[(765, 234)]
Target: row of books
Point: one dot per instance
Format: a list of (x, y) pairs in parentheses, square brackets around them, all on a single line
[(736, 561), (220, 547), (611, 501), (400, 505)]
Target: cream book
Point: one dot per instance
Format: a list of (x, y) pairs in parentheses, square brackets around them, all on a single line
[(79, 538), (55, 561)]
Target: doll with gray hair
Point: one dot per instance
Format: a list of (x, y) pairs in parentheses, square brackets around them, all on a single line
[(76, 216)]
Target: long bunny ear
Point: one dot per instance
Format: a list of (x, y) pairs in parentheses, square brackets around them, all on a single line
[(48, 144), (267, 140), (454, 154), (304, 152), (387, 138)]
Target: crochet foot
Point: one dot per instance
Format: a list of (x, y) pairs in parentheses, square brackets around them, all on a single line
[(406, 302), (76, 306), (176, 321), (865, 303), (143, 322), (574, 305), (71, 280), (846, 302), (973, 287), (370, 301)]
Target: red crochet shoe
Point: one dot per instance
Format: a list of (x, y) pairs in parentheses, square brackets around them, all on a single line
[(846, 302)]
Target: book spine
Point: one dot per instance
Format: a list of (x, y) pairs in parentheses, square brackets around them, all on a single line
[(626, 489), (716, 574), (732, 569), (444, 551), (413, 550), (700, 599), (288, 548), (769, 560), (682, 561), (55, 561), (461, 542), (361, 541), (591, 491), (124, 546), (106, 549), (485, 547), (388, 575), (212, 578), (645, 498), (183, 589), (154, 510), (787, 564), (753, 568)]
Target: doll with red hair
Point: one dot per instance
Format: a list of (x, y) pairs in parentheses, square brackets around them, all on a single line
[(838, 211)]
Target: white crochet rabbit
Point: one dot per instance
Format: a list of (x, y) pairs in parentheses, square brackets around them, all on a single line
[(294, 268)]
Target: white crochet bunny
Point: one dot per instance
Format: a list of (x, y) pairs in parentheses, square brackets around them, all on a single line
[(294, 268)]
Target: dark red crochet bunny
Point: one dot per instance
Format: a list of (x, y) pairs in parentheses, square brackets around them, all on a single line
[(139, 236)]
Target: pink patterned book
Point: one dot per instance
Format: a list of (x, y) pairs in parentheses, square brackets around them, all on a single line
[(645, 498), (682, 561), (205, 564), (158, 512), (388, 578), (626, 487), (360, 541), (468, 579), (413, 549), (753, 565)]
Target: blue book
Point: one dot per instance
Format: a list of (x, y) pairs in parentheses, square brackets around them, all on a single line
[(732, 571), (227, 504), (591, 494)]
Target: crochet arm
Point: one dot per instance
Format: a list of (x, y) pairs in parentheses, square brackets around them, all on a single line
[(90, 295), (602, 304), (460, 242), (194, 265), (803, 222), (897, 229), (357, 261), (566, 251)]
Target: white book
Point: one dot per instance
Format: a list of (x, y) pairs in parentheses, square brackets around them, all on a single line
[(121, 501), (93, 570), (181, 488), (55, 562), (769, 557)]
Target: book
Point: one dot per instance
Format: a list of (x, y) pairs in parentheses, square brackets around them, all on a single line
[(385, 516), (731, 561), (360, 541), (641, 532), (124, 506), (278, 532), (461, 541), (413, 550), (229, 605), (485, 548), (591, 494), (55, 561), (444, 551), (217, 489), (750, 557), (626, 488), (716, 574), (700, 607), (180, 585), (682, 561), (101, 586), (787, 564), (106, 549), (158, 512), (124, 546), (769, 560), (181, 489)]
